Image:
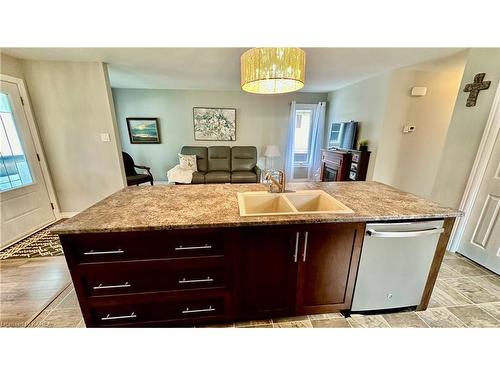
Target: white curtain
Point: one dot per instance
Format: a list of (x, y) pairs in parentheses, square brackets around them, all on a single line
[(317, 136), (289, 142)]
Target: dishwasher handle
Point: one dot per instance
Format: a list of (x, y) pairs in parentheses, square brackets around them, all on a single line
[(404, 234)]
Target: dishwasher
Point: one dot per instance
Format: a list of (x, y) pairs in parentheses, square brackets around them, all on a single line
[(394, 264)]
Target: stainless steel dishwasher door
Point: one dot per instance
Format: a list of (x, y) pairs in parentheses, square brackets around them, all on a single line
[(395, 261)]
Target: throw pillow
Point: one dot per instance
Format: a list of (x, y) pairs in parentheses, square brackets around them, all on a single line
[(188, 162)]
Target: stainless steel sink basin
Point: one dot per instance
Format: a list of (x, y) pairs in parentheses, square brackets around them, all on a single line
[(261, 203)]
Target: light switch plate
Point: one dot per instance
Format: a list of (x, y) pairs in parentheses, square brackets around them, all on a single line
[(105, 137)]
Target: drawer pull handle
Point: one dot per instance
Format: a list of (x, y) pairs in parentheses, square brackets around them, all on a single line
[(116, 317), (193, 247), (100, 286), (93, 252), (188, 281), (189, 311)]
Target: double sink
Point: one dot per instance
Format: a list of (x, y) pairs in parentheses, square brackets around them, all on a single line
[(261, 203)]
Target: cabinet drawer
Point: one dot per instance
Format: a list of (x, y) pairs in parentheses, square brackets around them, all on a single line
[(106, 247), (138, 277), (192, 310)]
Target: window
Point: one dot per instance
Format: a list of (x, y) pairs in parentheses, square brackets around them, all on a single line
[(14, 168), (302, 141)]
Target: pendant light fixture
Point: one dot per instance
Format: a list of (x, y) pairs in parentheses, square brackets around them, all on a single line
[(273, 70)]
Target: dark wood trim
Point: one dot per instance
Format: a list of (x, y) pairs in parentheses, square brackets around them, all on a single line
[(436, 263), (353, 269)]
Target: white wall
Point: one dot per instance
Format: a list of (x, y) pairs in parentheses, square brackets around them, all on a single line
[(73, 105), (466, 128), (260, 120), (383, 105)]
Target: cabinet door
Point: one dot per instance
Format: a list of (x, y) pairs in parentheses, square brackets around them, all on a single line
[(266, 271), (328, 261)]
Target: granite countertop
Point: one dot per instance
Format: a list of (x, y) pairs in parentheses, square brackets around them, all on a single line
[(207, 206)]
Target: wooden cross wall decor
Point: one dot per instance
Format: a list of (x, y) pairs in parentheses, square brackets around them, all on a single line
[(474, 88)]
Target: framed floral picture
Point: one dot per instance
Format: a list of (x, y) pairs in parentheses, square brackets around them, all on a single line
[(143, 130), (214, 124)]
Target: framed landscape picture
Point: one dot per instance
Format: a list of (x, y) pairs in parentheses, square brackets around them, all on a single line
[(214, 124), (143, 130)]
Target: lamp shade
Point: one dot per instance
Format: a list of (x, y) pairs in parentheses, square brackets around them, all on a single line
[(272, 151), (273, 70)]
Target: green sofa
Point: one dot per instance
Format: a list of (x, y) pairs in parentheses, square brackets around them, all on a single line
[(224, 164)]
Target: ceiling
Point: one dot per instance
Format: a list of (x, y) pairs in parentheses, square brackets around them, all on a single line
[(327, 69)]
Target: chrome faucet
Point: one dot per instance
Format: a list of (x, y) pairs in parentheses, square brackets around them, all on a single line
[(279, 185)]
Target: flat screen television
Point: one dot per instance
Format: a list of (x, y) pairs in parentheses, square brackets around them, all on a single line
[(343, 135)]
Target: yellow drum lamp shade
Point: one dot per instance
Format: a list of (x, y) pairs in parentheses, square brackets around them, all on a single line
[(273, 70)]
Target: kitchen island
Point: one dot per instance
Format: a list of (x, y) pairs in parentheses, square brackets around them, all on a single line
[(182, 255)]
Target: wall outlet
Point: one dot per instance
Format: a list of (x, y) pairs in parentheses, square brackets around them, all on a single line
[(105, 137), (409, 128)]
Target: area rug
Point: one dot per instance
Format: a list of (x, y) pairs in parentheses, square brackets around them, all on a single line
[(39, 244)]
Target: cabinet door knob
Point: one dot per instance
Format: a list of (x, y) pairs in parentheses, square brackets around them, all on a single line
[(304, 254)]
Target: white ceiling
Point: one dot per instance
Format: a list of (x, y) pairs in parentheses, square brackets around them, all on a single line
[(327, 69)]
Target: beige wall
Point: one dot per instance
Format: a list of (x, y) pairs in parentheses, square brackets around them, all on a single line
[(466, 128), (420, 151), (365, 102), (260, 120), (383, 105), (11, 66), (409, 161), (72, 104)]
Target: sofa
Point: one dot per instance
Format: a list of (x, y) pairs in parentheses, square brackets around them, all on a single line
[(224, 164)]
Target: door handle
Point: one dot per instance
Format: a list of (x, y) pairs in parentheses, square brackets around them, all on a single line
[(296, 254), (304, 253), (420, 233)]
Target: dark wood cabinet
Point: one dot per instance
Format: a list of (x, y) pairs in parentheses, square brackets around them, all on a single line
[(187, 277), (266, 271), (327, 267), (344, 165), (359, 165), (298, 269)]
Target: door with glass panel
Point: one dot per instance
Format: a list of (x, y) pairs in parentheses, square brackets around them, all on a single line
[(24, 199), (304, 115)]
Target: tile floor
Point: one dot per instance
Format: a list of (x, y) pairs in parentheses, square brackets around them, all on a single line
[(465, 295)]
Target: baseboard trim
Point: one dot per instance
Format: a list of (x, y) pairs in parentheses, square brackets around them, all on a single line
[(67, 215)]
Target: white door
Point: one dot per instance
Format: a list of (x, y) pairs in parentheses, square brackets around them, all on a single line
[(481, 238), (24, 199)]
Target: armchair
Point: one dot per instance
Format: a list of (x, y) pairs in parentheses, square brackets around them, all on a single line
[(134, 178)]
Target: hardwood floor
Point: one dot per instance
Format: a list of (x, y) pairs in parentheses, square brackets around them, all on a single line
[(465, 295), (28, 286)]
